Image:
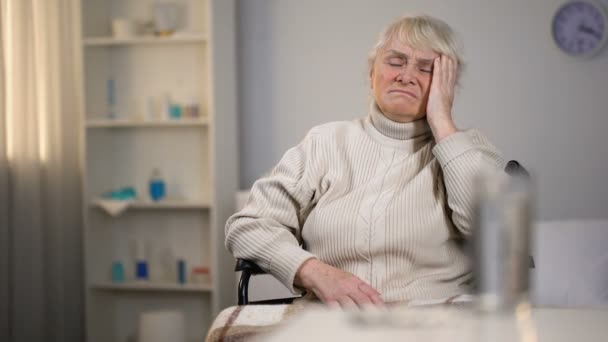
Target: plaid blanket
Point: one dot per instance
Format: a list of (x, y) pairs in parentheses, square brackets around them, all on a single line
[(248, 322), (242, 323)]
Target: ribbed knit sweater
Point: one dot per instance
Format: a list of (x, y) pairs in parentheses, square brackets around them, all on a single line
[(373, 197)]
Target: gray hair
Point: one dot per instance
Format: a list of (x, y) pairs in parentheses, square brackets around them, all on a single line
[(419, 32)]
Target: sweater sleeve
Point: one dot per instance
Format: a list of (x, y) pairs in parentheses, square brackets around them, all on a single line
[(268, 229), (461, 157)]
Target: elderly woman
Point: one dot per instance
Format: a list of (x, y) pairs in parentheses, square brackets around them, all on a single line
[(374, 210)]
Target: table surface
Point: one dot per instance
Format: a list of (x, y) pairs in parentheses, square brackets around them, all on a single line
[(445, 324)]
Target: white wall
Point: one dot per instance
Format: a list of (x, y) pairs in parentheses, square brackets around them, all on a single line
[(303, 63)]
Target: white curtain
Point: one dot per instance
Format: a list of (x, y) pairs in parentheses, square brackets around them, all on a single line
[(40, 171)]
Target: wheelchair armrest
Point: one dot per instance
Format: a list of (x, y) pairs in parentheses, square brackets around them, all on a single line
[(514, 168), (248, 266), (247, 269)]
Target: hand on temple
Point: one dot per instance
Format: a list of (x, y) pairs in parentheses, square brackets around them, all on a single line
[(441, 97), (334, 286)]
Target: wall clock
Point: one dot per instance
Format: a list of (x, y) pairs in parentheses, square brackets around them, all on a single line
[(579, 27)]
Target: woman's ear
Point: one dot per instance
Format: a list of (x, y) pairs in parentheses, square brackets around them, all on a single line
[(371, 78)]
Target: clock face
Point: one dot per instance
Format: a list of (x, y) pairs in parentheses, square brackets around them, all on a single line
[(579, 28)]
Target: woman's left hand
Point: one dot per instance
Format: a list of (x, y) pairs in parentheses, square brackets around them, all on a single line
[(441, 97)]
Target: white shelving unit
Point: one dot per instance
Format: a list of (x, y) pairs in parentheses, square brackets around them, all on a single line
[(197, 164)]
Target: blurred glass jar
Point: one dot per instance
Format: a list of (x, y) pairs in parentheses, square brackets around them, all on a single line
[(501, 241), (165, 18)]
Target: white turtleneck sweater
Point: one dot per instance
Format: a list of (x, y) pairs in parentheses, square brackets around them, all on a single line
[(372, 197)]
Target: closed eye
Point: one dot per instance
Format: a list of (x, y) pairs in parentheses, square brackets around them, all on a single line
[(425, 67), (396, 61)]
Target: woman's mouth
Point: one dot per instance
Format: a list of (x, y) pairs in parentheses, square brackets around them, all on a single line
[(404, 92)]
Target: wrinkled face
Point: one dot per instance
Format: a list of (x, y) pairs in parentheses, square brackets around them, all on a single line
[(401, 80)]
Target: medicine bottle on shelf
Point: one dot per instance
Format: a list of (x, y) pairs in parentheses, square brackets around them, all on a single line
[(157, 186)]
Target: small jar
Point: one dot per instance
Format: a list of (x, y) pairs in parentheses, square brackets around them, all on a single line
[(200, 275)]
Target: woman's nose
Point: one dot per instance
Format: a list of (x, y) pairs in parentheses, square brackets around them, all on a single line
[(406, 75)]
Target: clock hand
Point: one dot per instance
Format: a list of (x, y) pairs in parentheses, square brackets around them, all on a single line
[(589, 30)]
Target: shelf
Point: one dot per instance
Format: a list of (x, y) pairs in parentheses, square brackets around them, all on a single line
[(165, 204), (118, 123), (153, 287), (169, 204), (144, 40)]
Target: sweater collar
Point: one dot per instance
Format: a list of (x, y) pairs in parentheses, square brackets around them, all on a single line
[(397, 130)]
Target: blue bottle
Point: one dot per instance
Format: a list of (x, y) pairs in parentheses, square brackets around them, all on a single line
[(118, 272), (141, 270), (157, 186), (181, 271), (175, 111)]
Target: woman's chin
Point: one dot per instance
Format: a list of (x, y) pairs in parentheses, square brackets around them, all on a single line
[(404, 114), (401, 117)]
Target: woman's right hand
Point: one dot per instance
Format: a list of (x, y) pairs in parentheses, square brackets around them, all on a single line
[(334, 286)]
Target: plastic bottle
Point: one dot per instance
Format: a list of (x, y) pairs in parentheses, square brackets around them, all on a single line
[(141, 263), (111, 98), (181, 271), (157, 186), (118, 272)]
